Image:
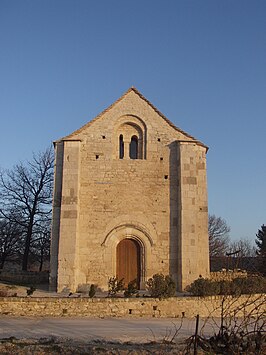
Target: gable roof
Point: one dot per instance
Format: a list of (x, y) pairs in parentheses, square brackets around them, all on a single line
[(70, 136)]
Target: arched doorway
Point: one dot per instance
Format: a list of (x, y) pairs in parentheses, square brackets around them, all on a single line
[(128, 261)]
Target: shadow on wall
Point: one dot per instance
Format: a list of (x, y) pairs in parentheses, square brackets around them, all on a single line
[(174, 244)]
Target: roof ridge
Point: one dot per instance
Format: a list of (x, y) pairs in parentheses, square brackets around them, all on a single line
[(132, 88)]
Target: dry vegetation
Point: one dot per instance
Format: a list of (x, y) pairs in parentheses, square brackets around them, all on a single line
[(68, 347)]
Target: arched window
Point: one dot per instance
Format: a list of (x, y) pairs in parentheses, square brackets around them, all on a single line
[(130, 139), (121, 147), (133, 148)]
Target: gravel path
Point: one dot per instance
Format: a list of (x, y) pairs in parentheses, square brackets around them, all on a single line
[(107, 329)]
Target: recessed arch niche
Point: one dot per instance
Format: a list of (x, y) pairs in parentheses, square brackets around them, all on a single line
[(134, 234), (130, 138)]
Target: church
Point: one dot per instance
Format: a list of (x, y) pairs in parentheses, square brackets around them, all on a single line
[(130, 200)]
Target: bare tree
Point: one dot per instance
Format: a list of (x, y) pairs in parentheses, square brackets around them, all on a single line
[(242, 248), (241, 255), (240, 329), (218, 236), (26, 190), (10, 241), (40, 246)]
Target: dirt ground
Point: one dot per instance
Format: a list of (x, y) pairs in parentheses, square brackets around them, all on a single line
[(21, 291), (55, 346)]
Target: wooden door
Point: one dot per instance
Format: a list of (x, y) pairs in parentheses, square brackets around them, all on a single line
[(128, 261)]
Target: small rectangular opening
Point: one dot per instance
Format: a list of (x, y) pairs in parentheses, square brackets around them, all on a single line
[(97, 156), (130, 311), (165, 177)]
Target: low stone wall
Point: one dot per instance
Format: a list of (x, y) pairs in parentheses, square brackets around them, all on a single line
[(125, 307)]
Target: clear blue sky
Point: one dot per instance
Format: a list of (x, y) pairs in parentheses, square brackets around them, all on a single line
[(200, 62)]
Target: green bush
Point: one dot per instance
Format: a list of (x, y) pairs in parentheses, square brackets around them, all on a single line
[(241, 285), (31, 290), (203, 287), (250, 285), (115, 286), (132, 289), (161, 286), (92, 291)]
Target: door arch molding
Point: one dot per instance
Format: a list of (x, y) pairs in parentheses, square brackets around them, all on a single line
[(128, 229), (125, 232)]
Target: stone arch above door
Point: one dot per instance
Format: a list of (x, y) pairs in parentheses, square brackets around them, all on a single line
[(127, 231)]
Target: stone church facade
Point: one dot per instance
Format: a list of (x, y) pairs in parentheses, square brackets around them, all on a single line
[(130, 200)]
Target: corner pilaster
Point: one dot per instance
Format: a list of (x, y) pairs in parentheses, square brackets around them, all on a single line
[(68, 246), (193, 213)]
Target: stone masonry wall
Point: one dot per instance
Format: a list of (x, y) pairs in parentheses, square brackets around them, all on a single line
[(124, 307)]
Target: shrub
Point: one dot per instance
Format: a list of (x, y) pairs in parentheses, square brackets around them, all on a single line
[(225, 287), (250, 285), (203, 287), (92, 291), (31, 290), (115, 286), (238, 286), (132, 289), (161, 286)]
